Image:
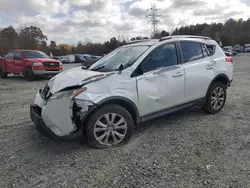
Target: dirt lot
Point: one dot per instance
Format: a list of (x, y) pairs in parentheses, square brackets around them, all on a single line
[(185, 149)]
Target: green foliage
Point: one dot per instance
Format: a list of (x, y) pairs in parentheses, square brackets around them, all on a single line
[(9, 39), (231, 33), (31, 37)]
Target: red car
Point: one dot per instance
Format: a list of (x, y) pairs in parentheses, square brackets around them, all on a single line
[(29, 63)]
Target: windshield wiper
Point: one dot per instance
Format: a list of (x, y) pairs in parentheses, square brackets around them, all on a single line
[(121, 67), (98, 68)]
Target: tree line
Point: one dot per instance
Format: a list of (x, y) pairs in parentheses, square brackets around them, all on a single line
[(231, 32)]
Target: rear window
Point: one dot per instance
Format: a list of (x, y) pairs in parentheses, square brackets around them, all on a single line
[(211, 49)]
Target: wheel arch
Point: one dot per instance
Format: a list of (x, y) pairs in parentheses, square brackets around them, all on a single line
[(3, 66), (122, 101), (27, 66), (126, 103), (222, 78)]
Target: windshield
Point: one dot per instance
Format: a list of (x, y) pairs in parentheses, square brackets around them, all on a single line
[(125, 56), (34, 54)]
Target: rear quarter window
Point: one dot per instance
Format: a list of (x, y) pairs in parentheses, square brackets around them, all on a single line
[(211, 49)]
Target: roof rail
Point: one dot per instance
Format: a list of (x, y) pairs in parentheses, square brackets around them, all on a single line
[(137, 41), (184, 36)]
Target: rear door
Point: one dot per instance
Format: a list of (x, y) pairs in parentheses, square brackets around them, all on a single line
[(10, 62), (18, 63), (199, 69)]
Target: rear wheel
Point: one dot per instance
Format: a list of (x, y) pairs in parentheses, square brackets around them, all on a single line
[(3, 74), (216, 98), (110, 125), (29, 75)]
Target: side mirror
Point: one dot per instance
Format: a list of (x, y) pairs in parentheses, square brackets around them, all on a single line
[(138, 71), (120, 69)]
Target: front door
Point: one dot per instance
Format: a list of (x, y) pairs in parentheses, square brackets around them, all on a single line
[(18, 63), (161, 84)]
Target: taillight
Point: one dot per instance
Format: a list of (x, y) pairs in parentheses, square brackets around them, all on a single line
[(229, 59)]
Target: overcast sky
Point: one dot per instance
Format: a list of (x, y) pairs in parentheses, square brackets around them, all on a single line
[(69, 21)]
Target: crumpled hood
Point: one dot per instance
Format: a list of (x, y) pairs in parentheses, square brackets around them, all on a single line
[(74, 77)]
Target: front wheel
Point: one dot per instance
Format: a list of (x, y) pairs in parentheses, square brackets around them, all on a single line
[(3, 74), (29, 75), (111, 125), (216, 98)]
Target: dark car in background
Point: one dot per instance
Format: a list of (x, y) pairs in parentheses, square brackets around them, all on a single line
[(81, 58), (91, 60)]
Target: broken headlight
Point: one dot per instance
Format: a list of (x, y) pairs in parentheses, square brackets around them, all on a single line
[(83, 107), (68, 94)]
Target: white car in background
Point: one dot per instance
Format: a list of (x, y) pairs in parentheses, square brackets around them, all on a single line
[(247, 49), (62, 59), (133, 84)]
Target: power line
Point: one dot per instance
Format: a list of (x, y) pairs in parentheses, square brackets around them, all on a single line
[(153, 17)]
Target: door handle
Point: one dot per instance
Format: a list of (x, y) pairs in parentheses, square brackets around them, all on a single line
[(178, 74)]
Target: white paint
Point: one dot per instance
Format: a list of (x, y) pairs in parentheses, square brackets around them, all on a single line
[(197, 78), (38, 100), (151, 92), (72, 77), (158, 91), (56, 115)]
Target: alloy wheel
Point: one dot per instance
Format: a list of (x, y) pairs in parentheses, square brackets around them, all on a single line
[(218, 98), (110, 129)]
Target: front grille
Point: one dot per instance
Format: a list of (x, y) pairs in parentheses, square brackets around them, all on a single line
[(51, 64)]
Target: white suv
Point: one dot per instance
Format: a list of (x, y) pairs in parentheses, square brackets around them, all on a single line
[(134, 83)]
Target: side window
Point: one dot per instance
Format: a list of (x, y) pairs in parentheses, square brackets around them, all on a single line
[(191, 51), (204, 51), (17, 56), (163, 56), (211, 49), (11, 55)]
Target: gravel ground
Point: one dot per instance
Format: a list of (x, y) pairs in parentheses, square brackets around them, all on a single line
[(185, 149)]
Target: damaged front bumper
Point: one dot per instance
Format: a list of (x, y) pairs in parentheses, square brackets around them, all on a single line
[(35, 114), (55, 117)]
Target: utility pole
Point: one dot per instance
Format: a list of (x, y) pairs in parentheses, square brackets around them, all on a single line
[(153, 17)]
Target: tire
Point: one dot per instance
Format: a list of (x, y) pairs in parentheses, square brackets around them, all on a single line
[(29, 75), (3, 74), (216, 94), (92, 134)]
